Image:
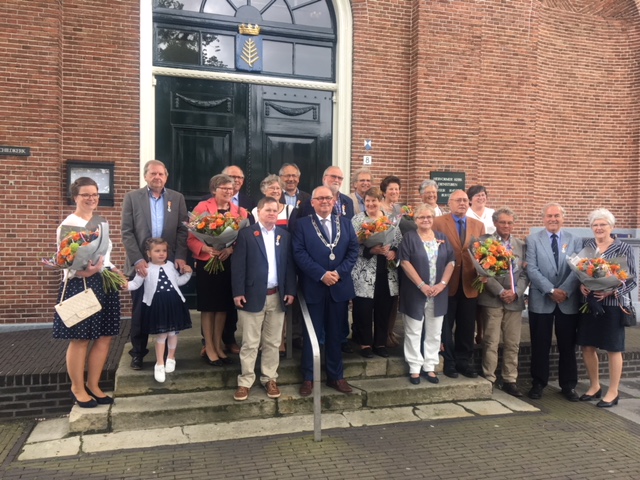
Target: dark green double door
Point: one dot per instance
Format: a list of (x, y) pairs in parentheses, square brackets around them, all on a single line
[(202, 126)]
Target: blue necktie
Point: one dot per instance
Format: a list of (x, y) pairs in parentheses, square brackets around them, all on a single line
[(461, 232), (554, 246)]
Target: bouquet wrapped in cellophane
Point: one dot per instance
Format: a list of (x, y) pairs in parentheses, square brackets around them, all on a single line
[(491, 259), (80, 246), (218, 230)]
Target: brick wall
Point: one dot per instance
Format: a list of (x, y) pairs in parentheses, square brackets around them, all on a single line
[(534, 100)]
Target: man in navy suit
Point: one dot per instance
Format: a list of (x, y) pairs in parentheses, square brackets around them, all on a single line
[(325, 248), (553, 295), (342, 204), (263, 280)]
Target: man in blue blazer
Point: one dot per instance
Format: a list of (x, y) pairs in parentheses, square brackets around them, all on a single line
[(263, 281), (553, 295), (325, 249), (151, 211)]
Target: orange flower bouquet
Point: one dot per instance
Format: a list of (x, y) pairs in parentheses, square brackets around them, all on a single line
[(218, 231), (79, 247), (491, 258), (597, 274), (378, 232)]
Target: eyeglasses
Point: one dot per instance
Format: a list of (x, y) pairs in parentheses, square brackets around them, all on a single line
[(460, 200), (236, 177), (323, 199), (504, 222), (336, 177), (599, 225), (290, 175), (87, 196), (364, 180), (226, 189), (427, 217)]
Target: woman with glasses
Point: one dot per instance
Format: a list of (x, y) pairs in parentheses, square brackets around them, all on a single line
[(214, 297), (427, 261), (605, 331), (375, 281), (272, 186), (99, 328)]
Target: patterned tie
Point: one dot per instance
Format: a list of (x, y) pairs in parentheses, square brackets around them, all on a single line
[(554, 246)]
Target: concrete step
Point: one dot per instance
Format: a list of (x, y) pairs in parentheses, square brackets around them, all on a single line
[(191, 408), (194, 374)]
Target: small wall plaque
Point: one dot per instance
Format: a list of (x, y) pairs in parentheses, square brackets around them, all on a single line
[(15, 151), (448, 182)]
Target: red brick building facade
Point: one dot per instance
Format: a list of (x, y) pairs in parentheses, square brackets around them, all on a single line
[(536, 100)]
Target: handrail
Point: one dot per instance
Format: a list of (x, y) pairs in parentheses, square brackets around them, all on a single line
[(315, 349)]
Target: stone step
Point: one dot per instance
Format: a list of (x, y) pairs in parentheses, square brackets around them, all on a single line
[(190, 408), (193, 374)]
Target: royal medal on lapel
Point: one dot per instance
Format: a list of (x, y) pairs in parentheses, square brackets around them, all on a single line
[(344, 212), (564, 248), (169, 206), (278, 241)]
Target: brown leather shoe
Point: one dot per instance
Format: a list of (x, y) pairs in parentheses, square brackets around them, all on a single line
[(340, 385), (242, 393), (233, 348), (306, 388), (272, 389)]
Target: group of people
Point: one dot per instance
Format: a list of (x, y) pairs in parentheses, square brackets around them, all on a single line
[(309, 243)]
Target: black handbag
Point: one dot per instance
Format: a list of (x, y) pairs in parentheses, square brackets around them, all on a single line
[(629, 318)]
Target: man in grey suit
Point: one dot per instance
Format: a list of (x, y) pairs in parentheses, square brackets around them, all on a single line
[(553, 295), (362, 181), (263, 280), (151, 211), (502, 303)]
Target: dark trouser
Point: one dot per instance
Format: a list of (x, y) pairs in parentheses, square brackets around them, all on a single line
[(376, 309), (230, 325), (139, 338), (541, 328), (461, 313), (328, 320)]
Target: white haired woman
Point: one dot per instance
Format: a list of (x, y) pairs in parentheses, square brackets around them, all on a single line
[(428, 190), (605, 331)]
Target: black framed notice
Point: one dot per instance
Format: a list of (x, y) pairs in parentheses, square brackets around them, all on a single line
[(100, 172), (448, 182)]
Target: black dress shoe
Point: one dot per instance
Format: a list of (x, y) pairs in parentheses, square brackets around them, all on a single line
[(536, 392), (511, 389), (468, 372), (570, 394), (346, 347), (587, 398), (414, 380), (215, 363), (450, 373), (366, 352), (106, 400), (603, 404), (227, 360), (381, 352), (136, 363), (429, 378), (92, 403)]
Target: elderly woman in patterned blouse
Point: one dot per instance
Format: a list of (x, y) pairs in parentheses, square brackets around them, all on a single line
[(605, 331), (376, 283)]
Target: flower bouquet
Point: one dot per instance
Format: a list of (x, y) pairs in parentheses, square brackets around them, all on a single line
[(491, 259), (79, 247), (378, 232), (597, 274), (218, 230)]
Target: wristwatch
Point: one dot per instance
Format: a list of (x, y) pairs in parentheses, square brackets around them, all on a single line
[(551, 291), (443, 282)]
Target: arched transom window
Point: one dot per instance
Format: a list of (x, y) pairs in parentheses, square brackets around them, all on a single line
[(298, 36)]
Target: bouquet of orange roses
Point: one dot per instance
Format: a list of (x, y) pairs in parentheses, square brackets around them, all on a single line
[(218, 230), (79, 247), (597, 274), (491, 258), (378, 232)]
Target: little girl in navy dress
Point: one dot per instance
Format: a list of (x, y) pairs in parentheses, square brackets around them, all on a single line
[(164, 309)]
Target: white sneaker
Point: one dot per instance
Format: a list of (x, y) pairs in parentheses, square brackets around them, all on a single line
[(170, 365), (158, 373)]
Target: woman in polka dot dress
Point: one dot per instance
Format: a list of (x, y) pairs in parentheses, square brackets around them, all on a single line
[(101, 327), (164, 308)]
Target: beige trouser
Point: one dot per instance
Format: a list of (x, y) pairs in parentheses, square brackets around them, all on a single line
[(509, 323), (261, 329)]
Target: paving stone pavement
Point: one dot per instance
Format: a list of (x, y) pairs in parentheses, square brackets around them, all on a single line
[(562, 441)]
